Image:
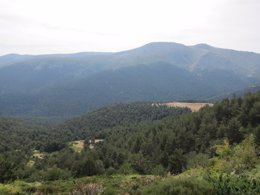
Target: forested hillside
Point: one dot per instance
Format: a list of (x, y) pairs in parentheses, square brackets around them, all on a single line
[(20, 138), (116, 115), (213, 151)]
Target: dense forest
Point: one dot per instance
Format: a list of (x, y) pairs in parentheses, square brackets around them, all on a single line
[(170, 150), (20, 138)]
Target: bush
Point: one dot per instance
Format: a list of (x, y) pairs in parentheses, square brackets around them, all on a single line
[(55, 173), (159, 170), (234, 184), (180, 186), (88, 189), (126, 168), (197, 160), (110, 171)]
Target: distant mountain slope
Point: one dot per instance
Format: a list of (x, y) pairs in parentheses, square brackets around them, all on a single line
[(70, 84), (157, 82), (197, 57), (13, 58), (238, 93), (242, 63)]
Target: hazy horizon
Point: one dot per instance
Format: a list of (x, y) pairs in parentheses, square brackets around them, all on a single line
[(135, 47), (66, 26)]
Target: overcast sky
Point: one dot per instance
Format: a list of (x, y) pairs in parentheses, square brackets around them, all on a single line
[(65, 26)]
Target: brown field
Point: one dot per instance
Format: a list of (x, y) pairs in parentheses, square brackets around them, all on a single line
[(196, 106)]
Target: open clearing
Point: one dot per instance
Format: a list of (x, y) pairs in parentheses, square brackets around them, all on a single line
[(93, 142), (37, 154), (194, 106), (77, 145)]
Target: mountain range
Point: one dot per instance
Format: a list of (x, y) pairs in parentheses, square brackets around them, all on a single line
[(70, 84)]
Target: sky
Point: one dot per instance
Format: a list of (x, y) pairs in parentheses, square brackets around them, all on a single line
[(68, 26)]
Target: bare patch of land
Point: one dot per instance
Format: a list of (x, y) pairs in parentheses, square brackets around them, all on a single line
[(194, 106), (92, 143), (77, 145), (37, 154)]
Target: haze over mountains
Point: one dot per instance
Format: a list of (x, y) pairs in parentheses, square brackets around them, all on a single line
[(71, 84)]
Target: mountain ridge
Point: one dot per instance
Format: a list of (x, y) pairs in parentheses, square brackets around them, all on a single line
[(160, 71), (125, 50), (188, 57)]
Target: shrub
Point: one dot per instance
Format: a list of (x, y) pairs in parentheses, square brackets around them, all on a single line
[(56, 173), (88, 189), (159, 170), (234, 184), (180, 186)]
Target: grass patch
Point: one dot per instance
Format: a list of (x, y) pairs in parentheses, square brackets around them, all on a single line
[(112, 185), (19, 187), (77, 145)]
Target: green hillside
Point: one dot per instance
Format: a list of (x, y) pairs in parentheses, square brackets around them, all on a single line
[(145, 150)]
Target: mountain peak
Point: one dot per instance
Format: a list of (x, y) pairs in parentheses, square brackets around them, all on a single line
[(203, 46), (162, 44), (11, 55)]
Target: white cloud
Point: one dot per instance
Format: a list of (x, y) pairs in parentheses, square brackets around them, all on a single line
[(57, 26)]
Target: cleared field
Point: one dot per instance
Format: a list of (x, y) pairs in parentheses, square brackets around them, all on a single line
[(93, 142), (77, 145), (196, 106), (37, 154)]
